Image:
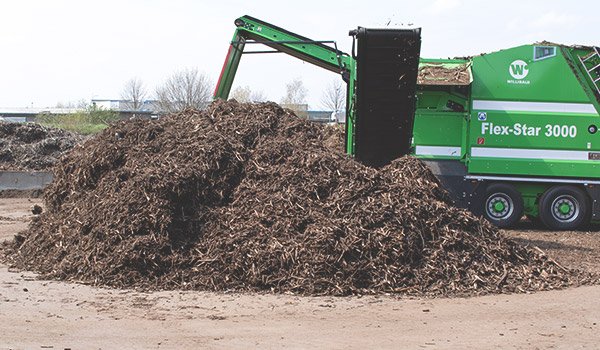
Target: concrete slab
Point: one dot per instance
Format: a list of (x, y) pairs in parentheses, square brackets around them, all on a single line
[(24, 180)]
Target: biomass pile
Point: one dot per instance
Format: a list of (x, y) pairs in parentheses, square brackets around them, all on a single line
[(442, 74), (30, 146), (247, 197)]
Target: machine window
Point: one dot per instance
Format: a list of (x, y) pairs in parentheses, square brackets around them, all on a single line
[(543, 52)]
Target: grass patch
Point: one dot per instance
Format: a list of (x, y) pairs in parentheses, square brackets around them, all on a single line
[(87, 121)]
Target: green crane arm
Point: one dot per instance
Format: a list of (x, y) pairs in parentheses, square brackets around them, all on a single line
[(381, 81), (254, 31)]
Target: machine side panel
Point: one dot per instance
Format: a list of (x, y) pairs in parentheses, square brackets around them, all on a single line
[(516, 75), (440, 125), (530, 115)]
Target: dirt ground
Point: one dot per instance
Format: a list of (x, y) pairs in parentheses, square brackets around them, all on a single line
[(38, 314), (575, 249)]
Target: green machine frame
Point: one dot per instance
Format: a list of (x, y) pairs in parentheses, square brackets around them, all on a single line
[(522, 130), (381, 80), (254, 31)]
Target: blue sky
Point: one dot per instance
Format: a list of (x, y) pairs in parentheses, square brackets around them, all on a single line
[(66, 50)]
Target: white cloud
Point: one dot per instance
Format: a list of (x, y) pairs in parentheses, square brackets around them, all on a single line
[(550, 19), (65, 50), (513, 24), (440, 6)]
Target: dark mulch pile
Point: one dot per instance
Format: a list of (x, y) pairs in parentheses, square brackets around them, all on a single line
[(30, 146), (247, 197)]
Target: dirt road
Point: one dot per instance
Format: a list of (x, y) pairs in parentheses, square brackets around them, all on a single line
[(55, 315)]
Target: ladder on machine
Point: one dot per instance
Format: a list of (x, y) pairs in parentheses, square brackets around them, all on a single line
[(591, 63)]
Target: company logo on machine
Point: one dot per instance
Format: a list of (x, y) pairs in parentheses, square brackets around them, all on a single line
[(482, 116), (518, 70)]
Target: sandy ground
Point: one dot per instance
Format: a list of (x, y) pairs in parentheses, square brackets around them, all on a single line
[(575, 249), (38, 314)]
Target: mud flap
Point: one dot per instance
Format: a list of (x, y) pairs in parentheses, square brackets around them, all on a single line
[(387, 68), (594, 192)]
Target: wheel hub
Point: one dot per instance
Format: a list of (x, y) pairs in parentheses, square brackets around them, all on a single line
[(565, 208), (499, 206)]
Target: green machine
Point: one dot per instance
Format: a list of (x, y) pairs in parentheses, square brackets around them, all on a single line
[(508, 133), (514, 132), (380, 79)]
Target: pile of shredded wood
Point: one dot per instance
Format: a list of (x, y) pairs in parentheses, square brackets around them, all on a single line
[(247, 197), (30, 146), (441, 74)]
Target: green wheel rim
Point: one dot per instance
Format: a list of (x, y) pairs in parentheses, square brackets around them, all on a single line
[(565, 208), (499, 206)]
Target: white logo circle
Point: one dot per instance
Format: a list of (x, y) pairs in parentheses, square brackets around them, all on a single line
[(518, 69)]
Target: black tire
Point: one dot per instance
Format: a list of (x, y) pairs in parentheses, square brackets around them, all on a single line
[(564, 207), (503, 205)]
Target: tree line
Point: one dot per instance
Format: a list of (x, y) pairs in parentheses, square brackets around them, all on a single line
[(184, 89), (190, 88)]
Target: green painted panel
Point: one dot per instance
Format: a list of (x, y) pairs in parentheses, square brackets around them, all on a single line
[(438, 129), (535, 167), (514, 74), (437, 98), (576, 55), (534, 130)]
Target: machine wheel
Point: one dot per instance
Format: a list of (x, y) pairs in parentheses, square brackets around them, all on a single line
[(564, 208), (503, 205)]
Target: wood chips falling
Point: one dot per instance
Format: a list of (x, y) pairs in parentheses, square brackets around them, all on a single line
[(247, 197)]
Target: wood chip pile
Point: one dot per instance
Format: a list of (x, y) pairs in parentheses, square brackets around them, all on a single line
[(248, 198), (29, 146), (438, 74)]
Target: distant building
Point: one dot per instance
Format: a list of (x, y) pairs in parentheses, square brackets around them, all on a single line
[(302, 111), (126, 110), (22, 115), (149, 110), (13, 119), (127, 106), (320, 116)]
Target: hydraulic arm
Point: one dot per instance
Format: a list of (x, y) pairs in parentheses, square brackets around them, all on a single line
[(254, 31), (381, 81)]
